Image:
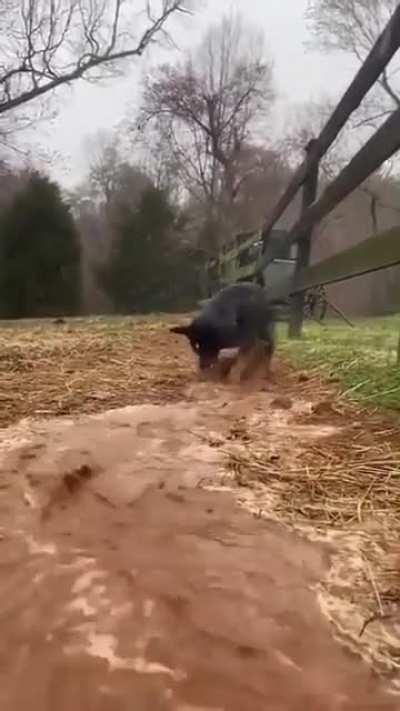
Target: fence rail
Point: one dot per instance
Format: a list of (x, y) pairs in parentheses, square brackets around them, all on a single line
[(240, 259), (383, 144), (373, 254), (367, 256), (383, 51)]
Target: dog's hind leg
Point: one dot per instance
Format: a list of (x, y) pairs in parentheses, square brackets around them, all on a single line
[(254, 356), (225, 366)]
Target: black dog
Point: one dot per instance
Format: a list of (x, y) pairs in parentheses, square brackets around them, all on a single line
[(240, 317)]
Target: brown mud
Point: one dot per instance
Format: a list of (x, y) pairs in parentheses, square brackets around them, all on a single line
[(128, 584)]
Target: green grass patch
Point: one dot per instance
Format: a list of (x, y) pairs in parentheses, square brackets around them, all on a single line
[(361, 359)]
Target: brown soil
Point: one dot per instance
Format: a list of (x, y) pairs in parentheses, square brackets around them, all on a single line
[(129, 584)]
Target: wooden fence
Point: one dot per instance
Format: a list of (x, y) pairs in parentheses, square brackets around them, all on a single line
[(377, 252)]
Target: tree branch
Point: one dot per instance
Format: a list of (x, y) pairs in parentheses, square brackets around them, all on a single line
[(385, 83), (47, 52)]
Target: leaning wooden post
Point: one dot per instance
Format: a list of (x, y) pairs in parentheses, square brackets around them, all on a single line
[(310, 187)]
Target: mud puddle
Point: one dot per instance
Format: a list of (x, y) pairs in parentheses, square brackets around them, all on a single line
[(126, 584)]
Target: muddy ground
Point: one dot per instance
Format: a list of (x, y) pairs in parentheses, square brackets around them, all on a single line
[(142, 570)]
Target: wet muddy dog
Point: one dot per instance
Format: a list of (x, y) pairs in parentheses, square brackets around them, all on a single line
[(238, 317)]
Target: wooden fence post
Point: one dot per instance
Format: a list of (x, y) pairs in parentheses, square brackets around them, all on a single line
[(304, 246)]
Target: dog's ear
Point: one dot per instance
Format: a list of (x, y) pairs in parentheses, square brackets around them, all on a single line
[(182, 330)]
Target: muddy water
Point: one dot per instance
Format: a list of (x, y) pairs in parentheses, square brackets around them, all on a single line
[(125, 585)]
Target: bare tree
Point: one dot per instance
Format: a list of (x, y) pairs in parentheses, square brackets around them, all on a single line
[(307, 121), (104, 161), (112, 186), (154, 152), (112, 180), (45, 44), (263, 174), (353, 26), (209, 106)]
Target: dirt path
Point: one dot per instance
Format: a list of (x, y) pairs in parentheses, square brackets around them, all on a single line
[(127, 584)]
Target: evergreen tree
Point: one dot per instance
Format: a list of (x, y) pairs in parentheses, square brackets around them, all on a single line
[(141, 272), (39, 253)]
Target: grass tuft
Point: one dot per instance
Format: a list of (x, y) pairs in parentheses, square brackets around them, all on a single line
[(362, 360)]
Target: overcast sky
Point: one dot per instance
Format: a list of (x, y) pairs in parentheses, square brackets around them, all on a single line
[(299, 75)]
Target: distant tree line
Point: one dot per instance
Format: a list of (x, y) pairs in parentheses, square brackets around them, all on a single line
[(193, 167), (145, 267)]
